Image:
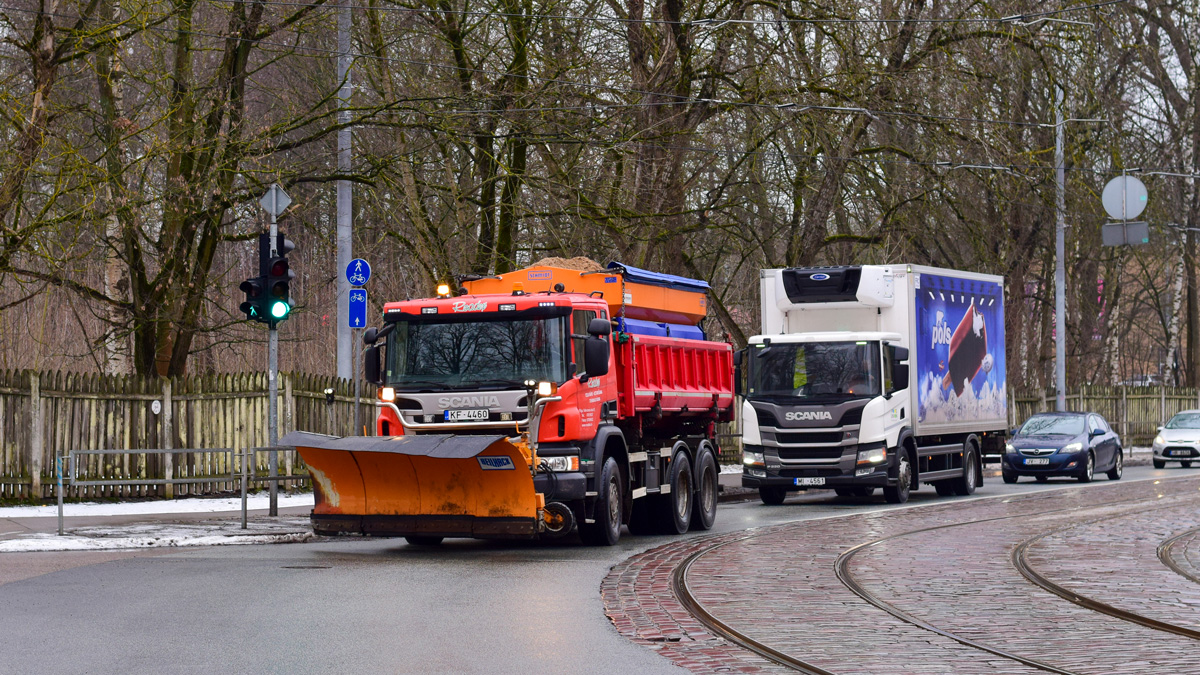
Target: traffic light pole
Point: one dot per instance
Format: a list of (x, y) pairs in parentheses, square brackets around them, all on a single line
[(273, 379)]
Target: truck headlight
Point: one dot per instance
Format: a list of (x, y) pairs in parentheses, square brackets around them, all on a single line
[(561, 463), (546, 389), (1070, 447), (387, 394), (872, 456), (751, 458)]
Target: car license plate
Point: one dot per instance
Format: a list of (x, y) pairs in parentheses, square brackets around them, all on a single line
[(819, 480), (474, 415), (1037, 460), (1181, 453)]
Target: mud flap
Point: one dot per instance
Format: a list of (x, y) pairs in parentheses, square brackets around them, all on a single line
[(435, 485)]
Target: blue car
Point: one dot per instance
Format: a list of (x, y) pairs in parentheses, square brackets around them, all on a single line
[(1076, 444)]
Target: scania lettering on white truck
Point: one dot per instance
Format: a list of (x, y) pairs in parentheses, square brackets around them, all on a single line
[(873, 376)]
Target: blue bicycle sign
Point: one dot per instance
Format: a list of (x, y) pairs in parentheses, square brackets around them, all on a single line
[(358, 272)]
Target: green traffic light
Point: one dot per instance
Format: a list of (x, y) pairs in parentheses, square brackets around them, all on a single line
[(279, 309)]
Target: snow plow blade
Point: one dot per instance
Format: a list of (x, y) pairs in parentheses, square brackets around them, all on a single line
[(435, 485)]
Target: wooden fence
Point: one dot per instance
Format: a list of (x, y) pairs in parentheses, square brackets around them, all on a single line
[(1134, 412), (43, 415)]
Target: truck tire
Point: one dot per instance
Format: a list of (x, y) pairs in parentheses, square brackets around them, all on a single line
[(606, 530), (898, 494), (675, 510), (772, 495), (966, 485), (704, 510), (944, 488)]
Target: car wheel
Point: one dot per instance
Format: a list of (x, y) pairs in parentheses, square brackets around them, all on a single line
[(1118, 466), (704, 511), (898, 494), (1009, 477), (606, 531), (1089, 468), (1186, 465), (1042, 479), (966, 485), (1160, 464), (772, 495)]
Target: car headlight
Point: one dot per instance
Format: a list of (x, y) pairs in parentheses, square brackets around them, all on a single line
[(751, 458), (1159, 440), (561, 463), (1008, 447), (1069, 448), (872, 456)]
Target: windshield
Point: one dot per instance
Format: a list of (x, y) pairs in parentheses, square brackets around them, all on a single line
[(1185, 421), (485, 354), (815, 370), (1048, 425)]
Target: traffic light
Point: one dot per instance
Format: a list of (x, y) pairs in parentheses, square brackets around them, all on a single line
[(279, 279), (254, 307)]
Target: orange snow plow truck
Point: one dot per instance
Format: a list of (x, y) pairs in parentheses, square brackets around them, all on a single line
[(534, 404)]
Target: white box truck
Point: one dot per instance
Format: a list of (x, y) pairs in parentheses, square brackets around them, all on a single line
[(873, 376)]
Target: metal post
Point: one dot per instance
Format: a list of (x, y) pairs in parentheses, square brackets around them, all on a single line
[(354, 370), (273, 379), (344, 225), (1060, 275), (58, 468), (245, 460)]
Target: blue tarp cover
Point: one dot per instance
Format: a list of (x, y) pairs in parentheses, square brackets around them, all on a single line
[(657, 279), (675, 330)]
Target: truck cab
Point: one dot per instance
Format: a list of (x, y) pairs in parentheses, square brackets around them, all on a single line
[(822, 409)]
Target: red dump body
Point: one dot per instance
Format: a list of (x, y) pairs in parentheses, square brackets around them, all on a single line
[(674, 376)]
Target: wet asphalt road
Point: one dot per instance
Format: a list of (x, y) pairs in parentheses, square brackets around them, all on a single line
[(364, 605)]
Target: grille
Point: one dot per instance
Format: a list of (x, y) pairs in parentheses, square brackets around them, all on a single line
[(815, 437), (766, 418), (1037, 452), (852, 417), (810, 453)]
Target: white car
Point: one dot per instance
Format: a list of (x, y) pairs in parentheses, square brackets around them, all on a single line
[(1179, 440)]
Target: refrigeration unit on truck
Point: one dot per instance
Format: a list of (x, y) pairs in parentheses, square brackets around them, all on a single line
[(873, 376), (530, 404)]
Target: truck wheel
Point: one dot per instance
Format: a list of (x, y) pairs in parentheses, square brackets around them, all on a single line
[(772, 495), (675, 510), (966, 485), (898, 494), (417, 540), (606, 531), (704, 511), (944, 488)]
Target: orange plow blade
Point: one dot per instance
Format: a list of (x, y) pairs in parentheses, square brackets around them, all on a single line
[(447, 486)]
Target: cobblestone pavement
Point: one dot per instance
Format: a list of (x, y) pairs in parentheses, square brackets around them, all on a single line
[(1186, 554), (778, 586)]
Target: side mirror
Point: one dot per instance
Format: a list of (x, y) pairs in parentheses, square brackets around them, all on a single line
[(370, 336), (738, 357), (595, 355), (1096, 432), (899, 354), (1161, 428), (598, 327), (371, 365)]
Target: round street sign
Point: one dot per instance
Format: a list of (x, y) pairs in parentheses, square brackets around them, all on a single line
[(358, 272), (1124, 198)]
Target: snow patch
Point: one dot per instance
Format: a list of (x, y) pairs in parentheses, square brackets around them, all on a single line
[(154, 535), (191, 505)]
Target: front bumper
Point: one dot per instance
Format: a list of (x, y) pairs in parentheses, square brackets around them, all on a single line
[(1175, 452), (1058, 464)]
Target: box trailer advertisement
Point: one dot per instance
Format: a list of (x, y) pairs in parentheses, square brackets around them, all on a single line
[(960, 350)]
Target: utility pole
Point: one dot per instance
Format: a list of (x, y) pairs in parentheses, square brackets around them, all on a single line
[(344, 225), (1060, 250), (273, 376)]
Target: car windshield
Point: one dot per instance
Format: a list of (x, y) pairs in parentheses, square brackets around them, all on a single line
[(815, 370), (1053, 425), (483, 354), (1185, 421)]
